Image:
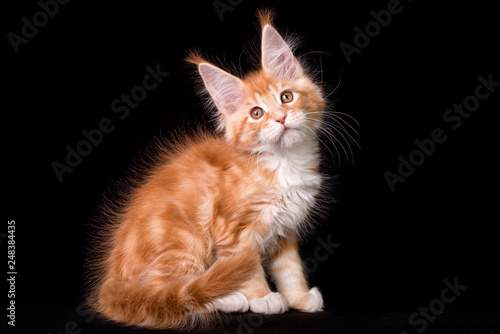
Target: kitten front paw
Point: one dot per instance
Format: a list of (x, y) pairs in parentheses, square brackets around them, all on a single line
[(235, 302), (272, 303), (311, 301)]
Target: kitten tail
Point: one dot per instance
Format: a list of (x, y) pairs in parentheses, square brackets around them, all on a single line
[(175, 305)]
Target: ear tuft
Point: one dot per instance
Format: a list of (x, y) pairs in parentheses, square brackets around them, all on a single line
[(277, 55), (194, 57), (265, 16)]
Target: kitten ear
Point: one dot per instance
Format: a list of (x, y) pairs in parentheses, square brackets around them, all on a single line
[(277, 55), (226, 90)]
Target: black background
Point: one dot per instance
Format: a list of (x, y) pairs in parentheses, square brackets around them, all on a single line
[(396, 248)]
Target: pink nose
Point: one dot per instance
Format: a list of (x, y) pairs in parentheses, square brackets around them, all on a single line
[(281, 120)]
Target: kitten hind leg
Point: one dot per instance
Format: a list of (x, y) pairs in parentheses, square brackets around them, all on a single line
[(254, 295), (272, 303), (233, 303), (261, 298)]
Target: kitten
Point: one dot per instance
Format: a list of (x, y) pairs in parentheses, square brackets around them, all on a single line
[(195, 237)]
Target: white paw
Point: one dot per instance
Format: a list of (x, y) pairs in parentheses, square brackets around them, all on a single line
[(272, 303), (235, 302), (313, 301)]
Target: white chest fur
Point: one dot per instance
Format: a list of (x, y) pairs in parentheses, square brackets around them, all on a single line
[(295, 195)]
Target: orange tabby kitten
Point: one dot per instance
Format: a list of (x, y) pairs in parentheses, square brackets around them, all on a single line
[(197, 235)]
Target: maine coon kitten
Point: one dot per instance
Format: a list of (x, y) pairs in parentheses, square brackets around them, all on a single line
[(196, 236)]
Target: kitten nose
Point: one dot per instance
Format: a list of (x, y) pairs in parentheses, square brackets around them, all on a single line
[(281, 120)]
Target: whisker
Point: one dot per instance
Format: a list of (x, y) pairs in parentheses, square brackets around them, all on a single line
[(346, 131), (338, 84), (347, 115), (326, 146), (332, 138), (339, 129), (335, 140)]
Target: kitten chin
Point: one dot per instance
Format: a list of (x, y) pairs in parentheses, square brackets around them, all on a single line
[(291, 137)]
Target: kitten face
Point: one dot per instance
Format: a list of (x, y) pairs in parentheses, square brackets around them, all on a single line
[(277, 107), (275, 113)]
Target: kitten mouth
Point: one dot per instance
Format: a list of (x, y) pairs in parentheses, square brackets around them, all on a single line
[(285, 130), (285, 133), (288, 127)]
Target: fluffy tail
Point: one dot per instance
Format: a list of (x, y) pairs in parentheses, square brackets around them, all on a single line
[(173, 304)]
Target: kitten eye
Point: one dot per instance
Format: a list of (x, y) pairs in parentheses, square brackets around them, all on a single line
[(256, 113), (286, 97)]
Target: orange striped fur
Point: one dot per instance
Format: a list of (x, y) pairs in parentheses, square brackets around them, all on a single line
[(198, 235)]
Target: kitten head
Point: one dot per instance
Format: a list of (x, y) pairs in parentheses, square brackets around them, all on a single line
[(278, 106)]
